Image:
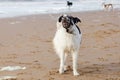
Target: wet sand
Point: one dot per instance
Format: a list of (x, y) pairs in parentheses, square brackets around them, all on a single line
[(27, 42)]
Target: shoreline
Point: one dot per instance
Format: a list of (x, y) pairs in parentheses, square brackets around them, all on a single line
[(118, 9)]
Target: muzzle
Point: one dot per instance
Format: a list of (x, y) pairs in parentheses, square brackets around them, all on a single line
[(66, 23)]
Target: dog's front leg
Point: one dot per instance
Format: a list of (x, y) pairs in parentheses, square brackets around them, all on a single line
[(61, 69), (65, 65), (75, 58)]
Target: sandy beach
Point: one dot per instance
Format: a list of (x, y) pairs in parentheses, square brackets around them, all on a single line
[(27, 42)]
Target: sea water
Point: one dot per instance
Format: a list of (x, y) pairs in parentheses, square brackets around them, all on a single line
[(12, 8)]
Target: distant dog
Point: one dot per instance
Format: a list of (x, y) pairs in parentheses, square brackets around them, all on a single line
[(67, 41), (69, 4), (108, 6)]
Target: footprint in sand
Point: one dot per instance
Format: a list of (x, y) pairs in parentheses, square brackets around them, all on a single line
[(109, 54), (48, 41), (53, 72), (102, 59), (51, 78)]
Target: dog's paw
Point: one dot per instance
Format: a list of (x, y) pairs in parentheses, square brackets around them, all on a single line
[(65, 68), (61, 71), (76, 74)]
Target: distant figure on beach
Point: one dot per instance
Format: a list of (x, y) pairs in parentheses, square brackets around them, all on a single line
[(108, 7), (69, 4)]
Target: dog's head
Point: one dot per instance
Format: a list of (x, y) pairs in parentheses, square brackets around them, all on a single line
[(68, 21)]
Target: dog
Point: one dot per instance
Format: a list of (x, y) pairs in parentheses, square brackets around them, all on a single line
[(108, 6), (67, 41), (69, 4)]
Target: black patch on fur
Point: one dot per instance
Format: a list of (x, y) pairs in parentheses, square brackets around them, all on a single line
[(60, 18), (76, 20), (71, 22), (78, 29)]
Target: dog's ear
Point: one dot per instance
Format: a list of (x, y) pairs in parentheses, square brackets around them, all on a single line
[(60, 18), (76, 20)]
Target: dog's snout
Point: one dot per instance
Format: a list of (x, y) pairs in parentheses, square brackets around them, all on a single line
[(66, 22)]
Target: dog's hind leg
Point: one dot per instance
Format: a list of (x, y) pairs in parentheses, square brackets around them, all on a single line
[(75, 58)]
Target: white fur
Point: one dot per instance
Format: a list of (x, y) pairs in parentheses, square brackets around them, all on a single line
[(66, 43)]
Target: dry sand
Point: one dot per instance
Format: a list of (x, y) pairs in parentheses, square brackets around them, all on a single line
[(27, 42)]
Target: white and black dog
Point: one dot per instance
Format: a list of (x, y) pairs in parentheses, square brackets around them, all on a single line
[(67, 40), (108, 6), (69, 4)]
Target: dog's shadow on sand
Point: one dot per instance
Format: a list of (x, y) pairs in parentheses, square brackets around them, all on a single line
[(107, 69), (92, 70)]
